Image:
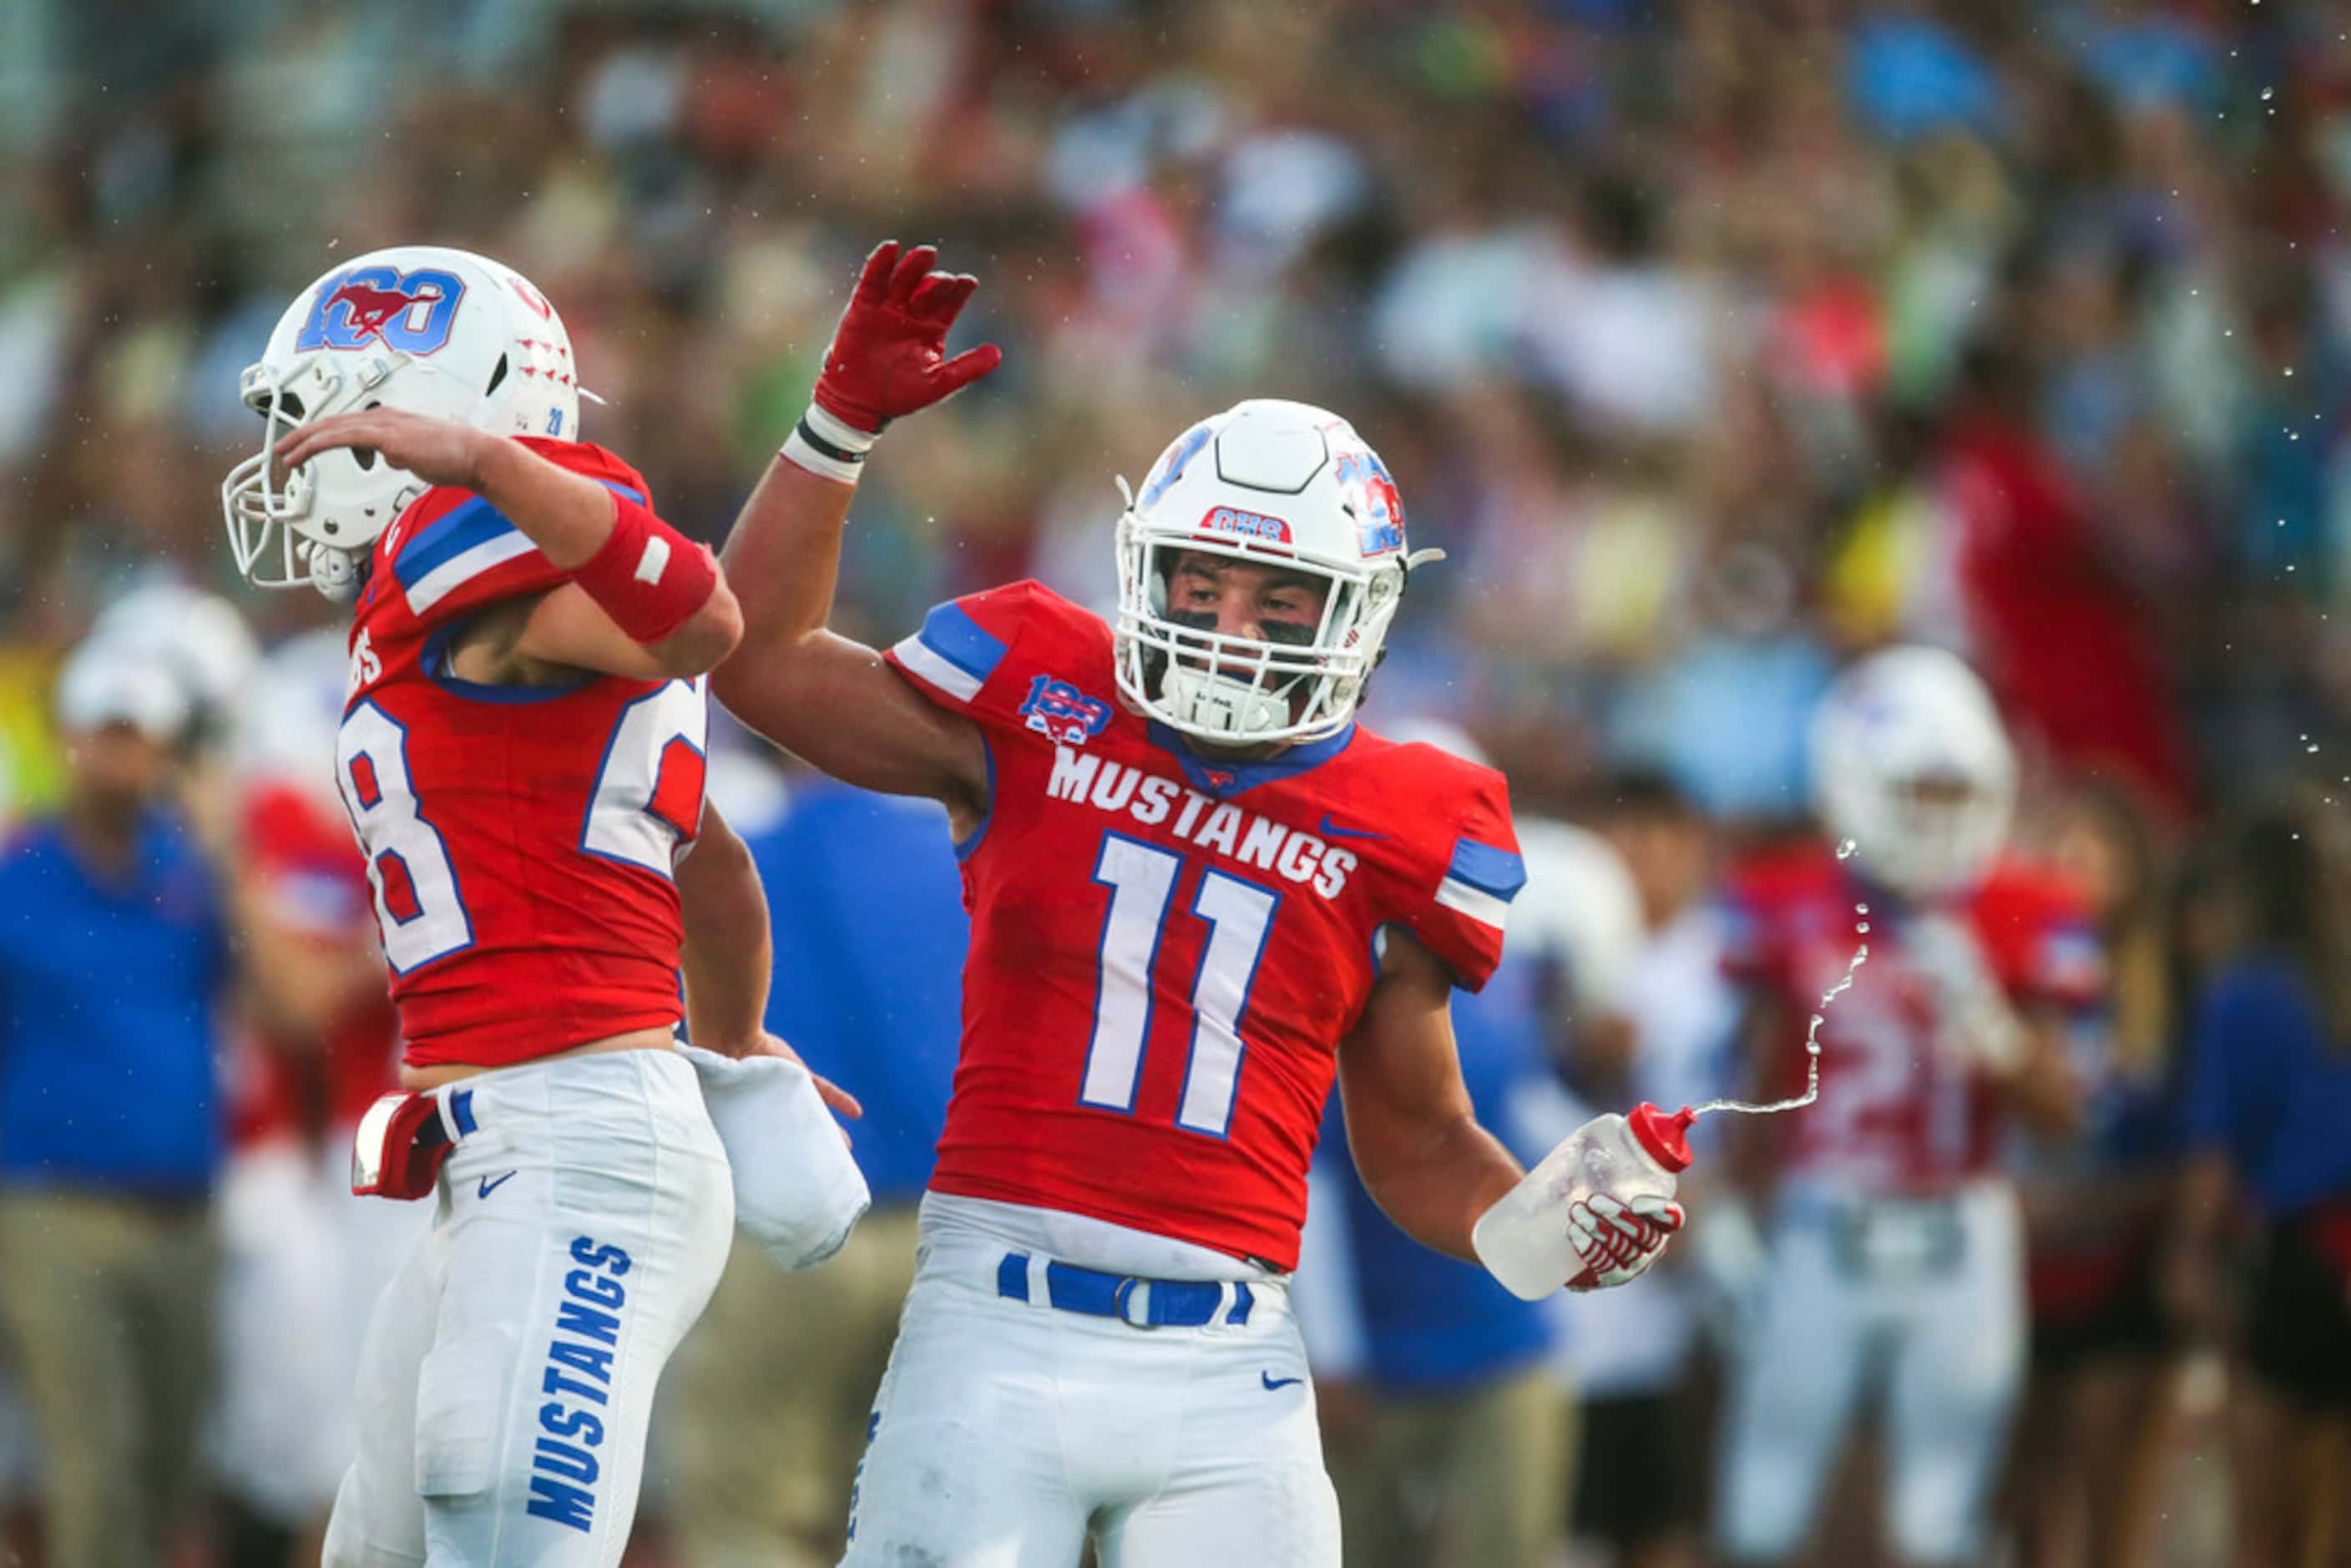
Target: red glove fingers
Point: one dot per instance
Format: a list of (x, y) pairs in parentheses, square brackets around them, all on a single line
[(888, 357)]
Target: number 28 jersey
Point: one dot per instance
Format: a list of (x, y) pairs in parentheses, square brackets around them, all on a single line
[(519, 840), (1167, 948)]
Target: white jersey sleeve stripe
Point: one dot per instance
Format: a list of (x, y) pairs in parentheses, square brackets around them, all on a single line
[(461, 568), (1474, 902), (921, 660)]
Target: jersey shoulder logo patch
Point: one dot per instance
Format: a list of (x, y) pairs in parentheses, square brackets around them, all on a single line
[(1063, 714)]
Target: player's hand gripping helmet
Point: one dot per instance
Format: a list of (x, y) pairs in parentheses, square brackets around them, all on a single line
[(1911, 763), (422, 328), (1273, 483)]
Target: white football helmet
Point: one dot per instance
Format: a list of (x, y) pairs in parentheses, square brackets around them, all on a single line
[(1275, 483), (1910, 762), (422, 328)]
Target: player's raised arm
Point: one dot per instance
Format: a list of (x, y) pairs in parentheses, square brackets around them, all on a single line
[(642, 600), (831, 700)]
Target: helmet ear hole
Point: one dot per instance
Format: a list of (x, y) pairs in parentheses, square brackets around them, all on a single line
[(498, 376)]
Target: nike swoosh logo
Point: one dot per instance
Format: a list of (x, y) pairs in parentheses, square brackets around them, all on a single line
[(489, 1187), (1272, 1383), (1331, 830)]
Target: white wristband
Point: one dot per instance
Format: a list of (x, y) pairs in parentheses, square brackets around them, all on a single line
[(827, 446)]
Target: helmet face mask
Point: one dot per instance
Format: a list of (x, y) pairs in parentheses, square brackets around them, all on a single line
[(1911, 763), (1273, 484), (424, 328), (281, 535)]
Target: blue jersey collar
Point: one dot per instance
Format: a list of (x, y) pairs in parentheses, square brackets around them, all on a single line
[(1220, 777)]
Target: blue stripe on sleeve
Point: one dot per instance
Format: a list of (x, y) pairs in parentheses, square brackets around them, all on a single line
[(1489, 870), (620, 490), (961, 641), (446, 537)]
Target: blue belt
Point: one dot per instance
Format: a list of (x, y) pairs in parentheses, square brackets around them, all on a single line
[(1163, 1303)]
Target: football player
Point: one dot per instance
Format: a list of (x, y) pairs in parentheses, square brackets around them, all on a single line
[(1890, 1262), (1199, 888), (521, 757)]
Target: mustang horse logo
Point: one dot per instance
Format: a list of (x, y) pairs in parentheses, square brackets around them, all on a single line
[(411, 312), (371, 309)]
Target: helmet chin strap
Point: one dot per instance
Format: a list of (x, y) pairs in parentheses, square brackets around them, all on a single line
[(335, 572)]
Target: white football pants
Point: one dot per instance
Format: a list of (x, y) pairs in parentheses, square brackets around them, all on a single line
[(1006, 1430), (1925, 1310), (510, 1365)]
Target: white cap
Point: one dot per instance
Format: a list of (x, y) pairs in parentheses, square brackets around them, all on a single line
[(103, 684), (198, 636), (1427, 730)]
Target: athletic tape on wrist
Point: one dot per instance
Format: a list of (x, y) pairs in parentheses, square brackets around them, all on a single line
[(648, 577), (831, 430), (826, 444)]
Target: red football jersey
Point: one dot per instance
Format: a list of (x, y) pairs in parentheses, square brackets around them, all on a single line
[(1167, 949), (520, 840), (1897, 1114), (300, 855)]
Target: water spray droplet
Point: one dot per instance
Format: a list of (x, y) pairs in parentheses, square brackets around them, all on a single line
[(1811, 1051), (1845, 849)]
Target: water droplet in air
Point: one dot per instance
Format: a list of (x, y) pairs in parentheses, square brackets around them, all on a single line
[(1845, 849), (2268, 93)]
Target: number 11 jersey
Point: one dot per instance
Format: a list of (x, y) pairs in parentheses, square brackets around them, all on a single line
[(1167, 947), (519, 839)]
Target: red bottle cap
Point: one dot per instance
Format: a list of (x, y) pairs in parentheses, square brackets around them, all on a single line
[(1666, 1138)]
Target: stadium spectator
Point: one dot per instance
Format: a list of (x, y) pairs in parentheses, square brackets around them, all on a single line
[(1638, 1489), (2268, 1096), (2102, 1411), (1448, 1429), (769, 1394), (114, 962), (1445, 1430), (303, 1258)]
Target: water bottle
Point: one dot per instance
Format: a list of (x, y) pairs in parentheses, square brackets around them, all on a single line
[(1522, 1239)]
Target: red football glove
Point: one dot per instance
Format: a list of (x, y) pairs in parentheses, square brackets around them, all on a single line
[(1618, 1240), (888, 357)]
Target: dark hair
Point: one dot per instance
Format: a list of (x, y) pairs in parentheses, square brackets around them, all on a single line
[(1647, 792), (2289, 888)]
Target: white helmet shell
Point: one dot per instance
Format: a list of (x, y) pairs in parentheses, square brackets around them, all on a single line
[(422, 328), (1902, 719), (1276, 483)]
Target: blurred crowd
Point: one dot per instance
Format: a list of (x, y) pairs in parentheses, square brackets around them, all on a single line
[(1715, 342)]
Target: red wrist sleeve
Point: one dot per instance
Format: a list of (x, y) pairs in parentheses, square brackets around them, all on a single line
[(648, 577)]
